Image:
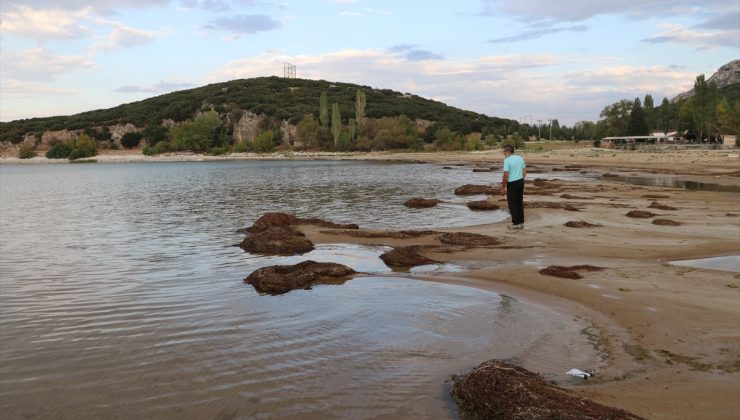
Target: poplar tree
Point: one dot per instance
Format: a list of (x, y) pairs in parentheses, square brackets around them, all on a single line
[(324, 110), (352, 130), (336, 123), (637, 125), (649, 107), (360, 103)]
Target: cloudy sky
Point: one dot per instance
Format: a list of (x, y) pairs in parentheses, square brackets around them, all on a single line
[(520, 59)]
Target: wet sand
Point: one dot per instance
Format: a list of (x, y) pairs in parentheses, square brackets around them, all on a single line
[(672, 333)]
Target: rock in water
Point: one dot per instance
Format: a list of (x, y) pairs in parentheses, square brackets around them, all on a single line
[(277, 240), (278, 279)]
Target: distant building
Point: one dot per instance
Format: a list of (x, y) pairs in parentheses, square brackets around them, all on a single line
[(621, 142)]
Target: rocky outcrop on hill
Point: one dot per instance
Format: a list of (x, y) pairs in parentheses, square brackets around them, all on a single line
[(246, 129), (729, 74), (278, 279)]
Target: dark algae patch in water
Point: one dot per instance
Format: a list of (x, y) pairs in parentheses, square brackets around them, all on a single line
[(278, 279), (499, 390), (568, 272)]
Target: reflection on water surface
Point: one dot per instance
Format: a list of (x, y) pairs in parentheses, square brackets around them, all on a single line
[(121, 297)]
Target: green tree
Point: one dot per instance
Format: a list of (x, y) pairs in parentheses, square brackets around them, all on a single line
[(82, 147), (615, 119), (131, 140), (686, 123), (351, 130), (264, 143), (648, 107), (26, 151), (665, 119), (309, 131), (360, 103), (336, 123), (727, 118), (446, 139), (154, 133), (637, 125), (324, 109), (705, 107), (198, 135), (396, 133)]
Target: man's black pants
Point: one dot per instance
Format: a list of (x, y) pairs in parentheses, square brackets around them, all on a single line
[(515, 198)]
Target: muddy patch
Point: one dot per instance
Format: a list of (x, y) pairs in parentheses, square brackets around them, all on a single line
[(666, 222), (640, 214), (550, 205), (568, 272), (279, 279), (468, 239), (655, 196), (499, 390), (406, 257), (483, 205), (656, 205), (472, 189), (421, 203), (580, 224), (400, 234), (277, 240), (284, 219), (575, 197)]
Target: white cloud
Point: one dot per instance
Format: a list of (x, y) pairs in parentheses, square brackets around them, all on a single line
[(240, 25), (103, 6), (40, 64), (123, 36), (17, 89), (160, 87), (679, 34), (577, 10), (45, 25)]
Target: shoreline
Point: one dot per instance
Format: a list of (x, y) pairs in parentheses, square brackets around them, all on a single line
[(670, 331)]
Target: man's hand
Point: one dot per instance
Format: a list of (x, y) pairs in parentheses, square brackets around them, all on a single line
[(503, 190)]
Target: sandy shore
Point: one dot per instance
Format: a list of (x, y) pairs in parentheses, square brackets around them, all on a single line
[(672, 334)]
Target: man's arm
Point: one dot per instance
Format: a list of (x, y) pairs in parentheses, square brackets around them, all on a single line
[(504, 180)]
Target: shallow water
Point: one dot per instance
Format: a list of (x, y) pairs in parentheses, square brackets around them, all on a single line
[(660, 181), (726, 263), (122, 297)]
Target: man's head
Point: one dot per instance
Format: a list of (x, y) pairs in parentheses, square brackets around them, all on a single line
[(508, 149)]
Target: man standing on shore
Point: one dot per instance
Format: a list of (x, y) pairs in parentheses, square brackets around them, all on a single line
[(512, 185)]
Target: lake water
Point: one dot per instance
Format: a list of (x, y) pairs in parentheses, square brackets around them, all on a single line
[(122, 297)]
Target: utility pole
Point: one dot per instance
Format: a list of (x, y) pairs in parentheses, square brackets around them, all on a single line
[(550, 137), (539, 130)]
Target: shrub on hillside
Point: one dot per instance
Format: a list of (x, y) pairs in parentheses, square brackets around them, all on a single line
[(26, 151), (160, 147), (263, 143), (59, 151), (83, 147), (131, 140)]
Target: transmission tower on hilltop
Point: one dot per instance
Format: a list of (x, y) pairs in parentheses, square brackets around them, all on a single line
[(288, 71)]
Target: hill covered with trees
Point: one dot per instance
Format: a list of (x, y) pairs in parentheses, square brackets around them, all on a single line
[(278, 99)]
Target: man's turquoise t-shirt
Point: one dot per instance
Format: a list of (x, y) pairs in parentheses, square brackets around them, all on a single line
[(514, 165)]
